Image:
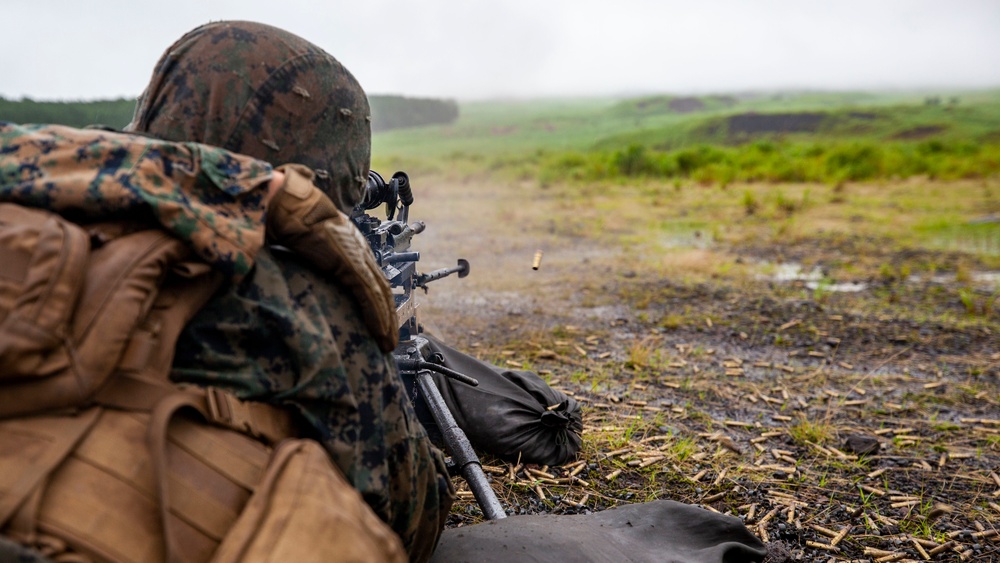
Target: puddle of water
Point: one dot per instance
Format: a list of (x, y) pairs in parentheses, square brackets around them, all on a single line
[(991, 279), (850, 287), (793, 272), (813, 279), (987, 280)]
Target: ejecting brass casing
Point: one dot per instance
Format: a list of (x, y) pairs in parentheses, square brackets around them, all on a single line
[(537, 261)]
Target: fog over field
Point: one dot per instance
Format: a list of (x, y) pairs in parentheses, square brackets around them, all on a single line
[(64, 49)]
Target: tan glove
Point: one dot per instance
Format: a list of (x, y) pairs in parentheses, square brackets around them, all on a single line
[(302, 218)]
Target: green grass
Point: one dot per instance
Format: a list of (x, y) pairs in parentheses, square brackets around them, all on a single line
[(806, 431), (861, 137), (493, 128)]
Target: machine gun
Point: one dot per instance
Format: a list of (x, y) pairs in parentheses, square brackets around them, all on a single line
[(390, 241)]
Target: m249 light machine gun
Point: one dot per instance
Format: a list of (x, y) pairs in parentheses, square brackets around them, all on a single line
[(390, 242)]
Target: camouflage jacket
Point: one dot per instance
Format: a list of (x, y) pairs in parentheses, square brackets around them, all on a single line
[(211, 198), (287, 336)]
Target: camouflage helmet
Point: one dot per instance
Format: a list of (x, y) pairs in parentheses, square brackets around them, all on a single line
[(262, 91)]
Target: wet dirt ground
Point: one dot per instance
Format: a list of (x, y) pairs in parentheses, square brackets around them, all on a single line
[(842, 425)]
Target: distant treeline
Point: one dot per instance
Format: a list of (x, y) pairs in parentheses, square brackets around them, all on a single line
[(113, 113), (388, 112), (397, 112)]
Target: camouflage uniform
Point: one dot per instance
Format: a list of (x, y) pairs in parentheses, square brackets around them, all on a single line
[(285, 334), (209, 197)]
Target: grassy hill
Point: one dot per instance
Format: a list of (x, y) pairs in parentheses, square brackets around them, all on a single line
[(929, 119), (828, 137)]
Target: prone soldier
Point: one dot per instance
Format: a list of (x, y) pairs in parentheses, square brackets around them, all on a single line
[(308, 330)]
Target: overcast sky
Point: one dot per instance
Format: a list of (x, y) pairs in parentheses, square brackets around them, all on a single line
[(474, 49)]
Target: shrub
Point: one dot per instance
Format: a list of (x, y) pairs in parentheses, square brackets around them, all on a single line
[(633, 161), (856, 161)]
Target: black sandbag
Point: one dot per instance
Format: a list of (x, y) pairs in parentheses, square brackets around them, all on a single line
[(658, 531), (513, 415)]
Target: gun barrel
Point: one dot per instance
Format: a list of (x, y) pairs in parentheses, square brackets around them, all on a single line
[(401, 257)]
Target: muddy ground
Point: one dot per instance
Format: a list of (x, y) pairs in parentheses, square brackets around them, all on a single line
[(842, 425)]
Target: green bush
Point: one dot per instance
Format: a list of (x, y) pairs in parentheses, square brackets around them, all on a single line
[(633, 161), (782, 162), (855, 161)]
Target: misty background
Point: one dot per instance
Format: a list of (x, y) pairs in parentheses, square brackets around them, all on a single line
[(70, 50)]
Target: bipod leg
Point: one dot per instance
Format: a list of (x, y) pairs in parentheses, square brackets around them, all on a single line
[(460, 448)]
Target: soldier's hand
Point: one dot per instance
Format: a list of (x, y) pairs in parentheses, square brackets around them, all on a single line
[(302, 218)]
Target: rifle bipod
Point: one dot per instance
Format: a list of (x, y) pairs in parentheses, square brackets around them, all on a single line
[(390, 243), (412, 365)]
